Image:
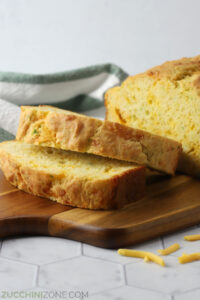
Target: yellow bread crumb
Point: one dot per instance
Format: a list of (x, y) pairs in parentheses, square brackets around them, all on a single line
[(186, 258), (169, 250), (142, 254), (193, 237)]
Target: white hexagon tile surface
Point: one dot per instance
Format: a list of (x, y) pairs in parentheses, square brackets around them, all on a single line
[(111, 255), (55, 264), (191, 295), (87, 273), (172, 279), (16, 275), (130, 293), (40, 250)]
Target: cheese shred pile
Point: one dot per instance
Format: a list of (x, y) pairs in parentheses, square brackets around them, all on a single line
[(147, 256)]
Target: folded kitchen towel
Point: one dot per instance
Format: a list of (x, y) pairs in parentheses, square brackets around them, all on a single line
[(79, 90)]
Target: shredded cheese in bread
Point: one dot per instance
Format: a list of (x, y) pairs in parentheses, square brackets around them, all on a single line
[(169, 250), (191, 238), (143, 254), (186, 258)]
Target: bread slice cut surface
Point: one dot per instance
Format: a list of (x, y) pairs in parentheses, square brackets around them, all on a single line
[(52, 127), (165, 101), (76, 179)]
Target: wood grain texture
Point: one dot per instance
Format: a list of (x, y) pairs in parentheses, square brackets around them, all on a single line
[(170, 204), (22, 213)]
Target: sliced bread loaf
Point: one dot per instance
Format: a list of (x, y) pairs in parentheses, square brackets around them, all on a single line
[(71, 178), (52, 127), (165, 101)]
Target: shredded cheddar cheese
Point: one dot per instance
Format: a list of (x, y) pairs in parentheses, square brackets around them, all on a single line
[(191, 238), (146, 259), (169, 250), (186, 258), (143, 254)]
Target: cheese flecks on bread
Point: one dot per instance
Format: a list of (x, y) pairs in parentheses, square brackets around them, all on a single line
[(165, 100), (76, 179), (53, 127)]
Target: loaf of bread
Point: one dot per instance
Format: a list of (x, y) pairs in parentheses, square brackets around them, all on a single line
[(165, 101), (76, 179), (52, 127)]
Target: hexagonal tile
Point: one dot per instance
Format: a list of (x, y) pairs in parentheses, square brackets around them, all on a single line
[(194, 295), (16, 275), (186, 246), (173, 278), (112, 255), (40, 250), (84, 273), (126, 292)]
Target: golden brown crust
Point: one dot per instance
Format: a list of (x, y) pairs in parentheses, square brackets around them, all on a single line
[(174, 70), (111, 193), (70, 131)]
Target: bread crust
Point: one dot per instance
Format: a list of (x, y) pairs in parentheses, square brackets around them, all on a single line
[(104, 194), (173, 70), (176, 69), (70, 131)]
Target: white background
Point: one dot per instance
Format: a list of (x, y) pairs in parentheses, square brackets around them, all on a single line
[(41, 36)]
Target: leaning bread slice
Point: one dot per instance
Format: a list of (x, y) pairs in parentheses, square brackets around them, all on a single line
[(164, 100), (52, 127), (71, 178)]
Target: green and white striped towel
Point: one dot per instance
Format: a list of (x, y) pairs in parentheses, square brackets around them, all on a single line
[(79, 90)]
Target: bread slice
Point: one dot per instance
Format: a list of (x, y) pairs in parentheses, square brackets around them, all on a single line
[(71, 178), (52, 127), (165, 101)]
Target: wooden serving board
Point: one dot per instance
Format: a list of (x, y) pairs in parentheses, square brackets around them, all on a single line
[(169, 205)]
